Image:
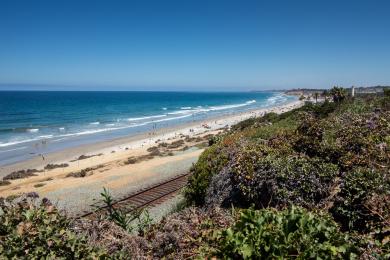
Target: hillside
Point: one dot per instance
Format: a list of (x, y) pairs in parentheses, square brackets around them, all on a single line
[(313, 182), (358, 90)]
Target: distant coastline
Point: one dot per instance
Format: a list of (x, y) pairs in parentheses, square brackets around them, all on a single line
[(55, 122), (110, 163), (310, 91)]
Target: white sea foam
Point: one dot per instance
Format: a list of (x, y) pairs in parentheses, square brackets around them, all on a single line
[(18, 142), (278, 98), (213, 108), (144, 117), (200, 109), (45, 136), (171, 118), (164, 108), (86, 132), (182, 112)]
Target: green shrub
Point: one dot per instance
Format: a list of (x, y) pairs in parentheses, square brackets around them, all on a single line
[(267, 131), (386, 92), (363, 202), (277, 181), (349, 139), (211, 161), (244, 124), (361, 140), (40, 232), (291, 233), (320, 110), (310, 135), (270, 117), (273, 124)]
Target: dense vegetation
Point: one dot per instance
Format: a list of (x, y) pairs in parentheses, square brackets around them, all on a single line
[(30, 229), (312, 183), (291, 233), (332, 158)]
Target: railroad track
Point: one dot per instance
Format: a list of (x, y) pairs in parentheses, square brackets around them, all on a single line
[(149, 196)]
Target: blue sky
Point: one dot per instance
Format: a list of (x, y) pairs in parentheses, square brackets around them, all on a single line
[(193, 45)]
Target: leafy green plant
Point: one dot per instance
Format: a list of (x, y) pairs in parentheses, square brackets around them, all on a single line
[(363, 202), (31, 231), (291, 233), (135, 220), (277, 181)]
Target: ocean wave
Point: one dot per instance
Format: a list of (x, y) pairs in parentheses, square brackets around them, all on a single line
[(18, 142), (184, 112), (45, 136), (171, 118), (144, 117), (214, 108), (200, 109), (7, 130), (86, 132), (278, 98)]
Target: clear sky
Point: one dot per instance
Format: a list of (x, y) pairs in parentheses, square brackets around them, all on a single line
[(193, 45)]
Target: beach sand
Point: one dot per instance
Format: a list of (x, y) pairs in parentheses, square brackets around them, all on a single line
[(77, 194)]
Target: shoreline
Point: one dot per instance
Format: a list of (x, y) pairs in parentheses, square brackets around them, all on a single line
[(109, 166), (139, 140), (86, 123)]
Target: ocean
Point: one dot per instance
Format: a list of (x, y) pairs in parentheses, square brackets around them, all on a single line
[(38, 122)]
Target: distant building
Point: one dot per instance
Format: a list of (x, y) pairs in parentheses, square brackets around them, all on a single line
[(353, 91)]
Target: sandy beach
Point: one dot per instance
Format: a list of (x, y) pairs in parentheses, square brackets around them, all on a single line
[(123, 165)]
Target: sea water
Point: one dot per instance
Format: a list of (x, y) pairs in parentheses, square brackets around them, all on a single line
[(37, 122)]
